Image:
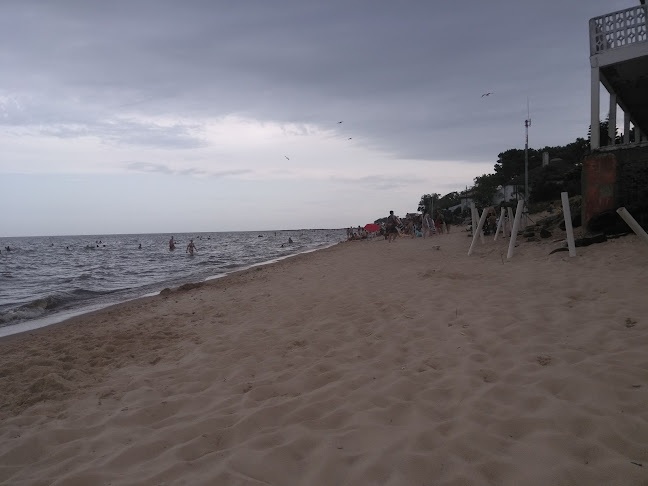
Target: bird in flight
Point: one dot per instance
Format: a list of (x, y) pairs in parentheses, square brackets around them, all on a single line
[(286, 157), (350, 138), (486, 94), (339, 122)]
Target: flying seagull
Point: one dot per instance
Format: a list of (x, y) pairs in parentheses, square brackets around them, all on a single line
[(486, 94), (339, 122), (350, 138), (286, 157)]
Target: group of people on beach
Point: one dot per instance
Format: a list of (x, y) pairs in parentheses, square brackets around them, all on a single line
[(359, 234), (424, 225), (414, 225)]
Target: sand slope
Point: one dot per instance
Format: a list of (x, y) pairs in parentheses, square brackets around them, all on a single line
[(367, 363)]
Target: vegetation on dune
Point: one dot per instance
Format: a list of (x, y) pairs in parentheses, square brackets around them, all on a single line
[(562, 174)]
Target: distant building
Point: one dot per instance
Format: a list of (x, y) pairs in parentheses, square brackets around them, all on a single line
[(507, 193)]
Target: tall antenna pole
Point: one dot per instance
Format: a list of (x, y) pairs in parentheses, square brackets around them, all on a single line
[(527, 124)]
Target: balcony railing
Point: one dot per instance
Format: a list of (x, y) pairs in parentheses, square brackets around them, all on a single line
[(618, 29)]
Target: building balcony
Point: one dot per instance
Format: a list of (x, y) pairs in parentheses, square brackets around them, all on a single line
[(619, 61), (617, 36)]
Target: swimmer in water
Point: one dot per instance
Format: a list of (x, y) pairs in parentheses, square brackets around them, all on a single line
[(191, 248), (171, 244)]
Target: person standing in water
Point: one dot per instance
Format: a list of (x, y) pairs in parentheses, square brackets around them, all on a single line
[(171, 244), (191, 248)]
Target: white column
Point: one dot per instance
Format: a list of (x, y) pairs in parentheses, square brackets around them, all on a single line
[(626, 128), (595, 109), (612, 118)]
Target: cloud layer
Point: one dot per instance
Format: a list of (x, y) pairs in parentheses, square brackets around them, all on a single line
[(254, 91)]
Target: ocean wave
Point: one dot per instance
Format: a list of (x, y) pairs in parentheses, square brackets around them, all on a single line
[(232, 265), (46, 305), (207, 262), (31, 310)]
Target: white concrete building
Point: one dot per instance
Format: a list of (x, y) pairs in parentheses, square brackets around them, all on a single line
[(507, 193), (619, 61)]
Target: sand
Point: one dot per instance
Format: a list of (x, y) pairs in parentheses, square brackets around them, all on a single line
[(364, 364)]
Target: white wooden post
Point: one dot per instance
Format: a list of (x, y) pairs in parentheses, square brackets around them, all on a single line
[(568, 224), (479, 230), (475, 222), (514, 231), (627, 217)]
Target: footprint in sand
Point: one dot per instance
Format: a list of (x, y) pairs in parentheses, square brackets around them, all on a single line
[(488, 376), (543, 360)]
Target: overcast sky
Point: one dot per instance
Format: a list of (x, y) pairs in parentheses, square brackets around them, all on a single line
[(167, 116)]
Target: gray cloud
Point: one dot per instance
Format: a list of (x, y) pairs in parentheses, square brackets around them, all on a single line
[(406, 77), (71, 120), (379, 182), (149, 167), (128, 133), (159, 168)]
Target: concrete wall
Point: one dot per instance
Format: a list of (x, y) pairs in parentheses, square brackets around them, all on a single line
[(632, 176), (597, 182)]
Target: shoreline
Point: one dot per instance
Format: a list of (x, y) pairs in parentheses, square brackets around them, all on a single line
[(62, 316), (364, 363)]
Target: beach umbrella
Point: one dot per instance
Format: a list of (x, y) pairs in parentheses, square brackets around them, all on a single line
[(371, 227)]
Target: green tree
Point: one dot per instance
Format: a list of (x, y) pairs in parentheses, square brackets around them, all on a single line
[(449, 200), (573, 152), (604, 137), (544, 182), (427, 202), (485, 188), (510, 164)]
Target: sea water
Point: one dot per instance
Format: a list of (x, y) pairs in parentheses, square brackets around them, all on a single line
[(47, 279)]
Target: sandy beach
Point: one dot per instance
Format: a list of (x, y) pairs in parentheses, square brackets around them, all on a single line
[(367, 363)]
